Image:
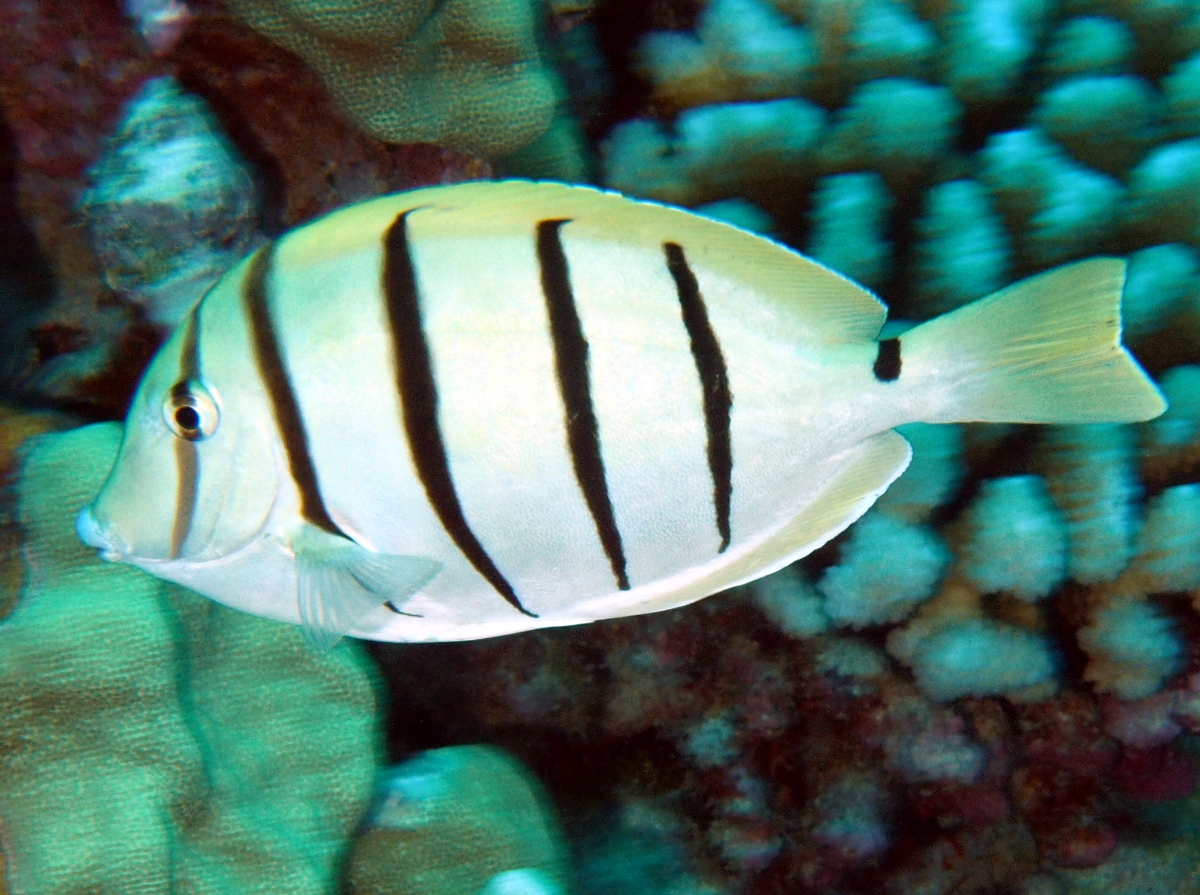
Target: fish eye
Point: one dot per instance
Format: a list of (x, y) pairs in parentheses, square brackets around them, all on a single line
[(190, 411)]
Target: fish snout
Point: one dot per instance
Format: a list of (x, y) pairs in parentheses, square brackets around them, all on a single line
[(94, 534)]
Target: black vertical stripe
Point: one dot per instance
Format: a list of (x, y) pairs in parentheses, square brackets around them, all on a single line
[(419, 403), (274, 375), (887, 361), (714, 384), (187, 459), (571, 362)]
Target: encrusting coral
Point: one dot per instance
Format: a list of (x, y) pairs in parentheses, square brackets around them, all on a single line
[(467, 74), (151, 739), (450, 821)]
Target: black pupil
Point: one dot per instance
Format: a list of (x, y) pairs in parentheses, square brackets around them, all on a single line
[(187, 418)]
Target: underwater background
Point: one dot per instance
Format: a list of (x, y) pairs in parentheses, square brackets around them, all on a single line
[(988, 685)]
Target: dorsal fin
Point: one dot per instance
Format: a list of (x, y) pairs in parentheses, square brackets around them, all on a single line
[(816, 300)]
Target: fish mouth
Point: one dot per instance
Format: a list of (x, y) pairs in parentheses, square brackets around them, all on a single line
[(92, 533)]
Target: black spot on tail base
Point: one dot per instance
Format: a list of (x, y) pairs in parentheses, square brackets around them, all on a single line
[(887, 361), (187, 457)]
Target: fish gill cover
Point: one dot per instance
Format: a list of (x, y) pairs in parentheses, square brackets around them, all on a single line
[(991, 684)]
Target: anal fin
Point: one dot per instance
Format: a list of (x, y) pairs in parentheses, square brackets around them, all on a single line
[(340, 583)]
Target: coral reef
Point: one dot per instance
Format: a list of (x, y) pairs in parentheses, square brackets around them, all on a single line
[(170, 206), (69, 72), (154, 741), (465, 74), (1006, 137), (990, 684), (151, 739)]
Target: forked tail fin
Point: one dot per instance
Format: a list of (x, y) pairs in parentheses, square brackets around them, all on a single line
[(1044, 350)]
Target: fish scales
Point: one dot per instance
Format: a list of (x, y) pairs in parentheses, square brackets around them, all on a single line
[(470, 410)]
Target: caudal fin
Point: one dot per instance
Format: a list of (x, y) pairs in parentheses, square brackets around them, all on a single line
[(1044, 350)]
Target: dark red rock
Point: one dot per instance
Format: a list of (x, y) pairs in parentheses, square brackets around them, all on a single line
[(66, 69), (1066, 732), (1158, 774), (1080, 847)]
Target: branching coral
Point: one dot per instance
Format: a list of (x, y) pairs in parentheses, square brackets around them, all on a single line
[(887, 567), (963, 252), (1027, 132), (850, 213), (742, 49), (1017, 541), (716, 150)]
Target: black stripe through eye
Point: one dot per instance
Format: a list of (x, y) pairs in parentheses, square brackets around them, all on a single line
[(419, 402), (714, 383), (571, 362), (187, 458)]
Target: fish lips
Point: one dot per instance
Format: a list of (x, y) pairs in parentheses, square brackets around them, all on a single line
[(94, 534)]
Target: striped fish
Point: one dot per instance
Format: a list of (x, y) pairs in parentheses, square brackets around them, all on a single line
[(476, 409)]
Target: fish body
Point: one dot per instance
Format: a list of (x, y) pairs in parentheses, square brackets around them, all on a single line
[(476, 409)]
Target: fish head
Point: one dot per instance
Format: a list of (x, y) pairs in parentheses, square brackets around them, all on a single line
[(196, 475)]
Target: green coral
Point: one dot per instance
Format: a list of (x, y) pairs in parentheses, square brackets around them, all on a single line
[(1010, 135), (153, 741), (453, 819), (467, 74)]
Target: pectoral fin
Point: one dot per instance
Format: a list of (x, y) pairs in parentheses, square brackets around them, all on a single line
[(340, 582)]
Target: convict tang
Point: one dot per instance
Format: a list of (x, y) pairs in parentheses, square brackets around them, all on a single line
[(476, 409)]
